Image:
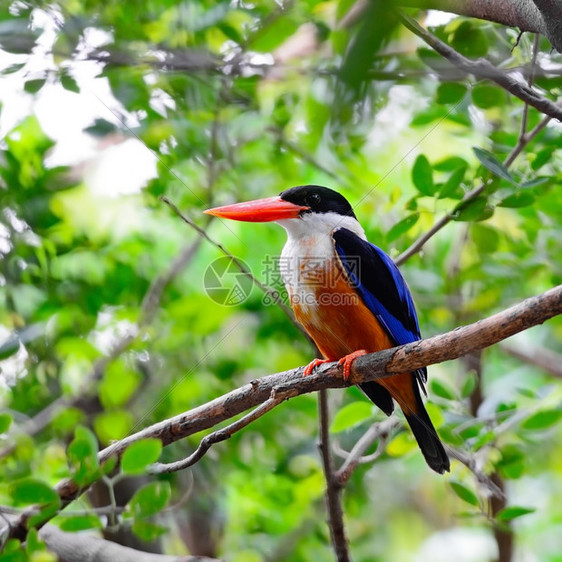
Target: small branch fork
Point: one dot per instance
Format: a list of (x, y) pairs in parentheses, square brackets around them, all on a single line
[(380, 430), (272, 389)]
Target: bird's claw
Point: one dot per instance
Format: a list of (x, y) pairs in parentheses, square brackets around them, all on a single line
[(312, 365), (348, 360)]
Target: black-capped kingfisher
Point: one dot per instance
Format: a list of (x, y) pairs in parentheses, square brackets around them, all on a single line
[(348, 294)]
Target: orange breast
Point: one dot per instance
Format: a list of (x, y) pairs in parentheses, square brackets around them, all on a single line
[(335, 317)]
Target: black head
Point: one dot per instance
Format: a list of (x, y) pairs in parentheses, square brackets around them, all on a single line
[(319, 199)]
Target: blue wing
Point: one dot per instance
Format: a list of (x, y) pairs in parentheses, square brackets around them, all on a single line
[(381, 287)]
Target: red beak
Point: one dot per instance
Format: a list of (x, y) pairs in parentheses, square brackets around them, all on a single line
[(260, 210)]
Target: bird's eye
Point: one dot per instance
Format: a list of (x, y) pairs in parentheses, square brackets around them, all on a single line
[(313, 199)]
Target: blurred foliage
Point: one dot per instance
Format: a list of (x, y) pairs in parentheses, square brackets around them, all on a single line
[(234, 101)]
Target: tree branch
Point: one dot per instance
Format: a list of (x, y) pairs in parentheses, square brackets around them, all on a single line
[(537, 16), (221, 435), (482, 68), (80, 547), (333, 486), (451, 345)]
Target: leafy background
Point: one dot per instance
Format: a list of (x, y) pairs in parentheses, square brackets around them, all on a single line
[(213, 102)]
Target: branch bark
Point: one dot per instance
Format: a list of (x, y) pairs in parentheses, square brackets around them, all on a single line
[(451, 345)]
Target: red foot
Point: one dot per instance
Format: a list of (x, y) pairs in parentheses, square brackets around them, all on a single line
[(348, 360), (312, 365)]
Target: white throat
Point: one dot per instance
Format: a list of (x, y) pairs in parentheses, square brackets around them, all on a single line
[(309, 238)]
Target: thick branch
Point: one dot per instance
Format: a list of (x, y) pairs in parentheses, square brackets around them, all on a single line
[(463, 340)]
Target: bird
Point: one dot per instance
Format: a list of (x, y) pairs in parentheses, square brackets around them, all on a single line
[(349, 296)]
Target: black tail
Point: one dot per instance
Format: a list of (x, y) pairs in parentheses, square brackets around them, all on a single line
[(379, 395), (426, 436), (422, 428)]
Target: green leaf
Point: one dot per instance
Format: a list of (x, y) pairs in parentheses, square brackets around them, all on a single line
[(150, 499), (280, 30), (68, 83), (469, 40), (450, 164), (512, 462), (80, 523), (542, 420), (5, 422), (402, 226), (351, 415), (66, 420), (485, 237), (33, 86), (519, 199), (46, 513), (118, 384), (540, 180), (33, 545), (31, 491), (422, 175), (9, 554), (442, 389), (113, 425), (147, 531), (401, 444), (139, 455), (464, 493), (450, 92), (469, 385), (542, 157), (489, 161), (83, 456), (452, 185), (512, 512), (475, 210), (486, 96)]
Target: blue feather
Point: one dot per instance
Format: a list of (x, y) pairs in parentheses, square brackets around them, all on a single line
[(381, 287)]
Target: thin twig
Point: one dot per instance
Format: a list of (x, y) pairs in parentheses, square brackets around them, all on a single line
[(470, 462), (221, 435)]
